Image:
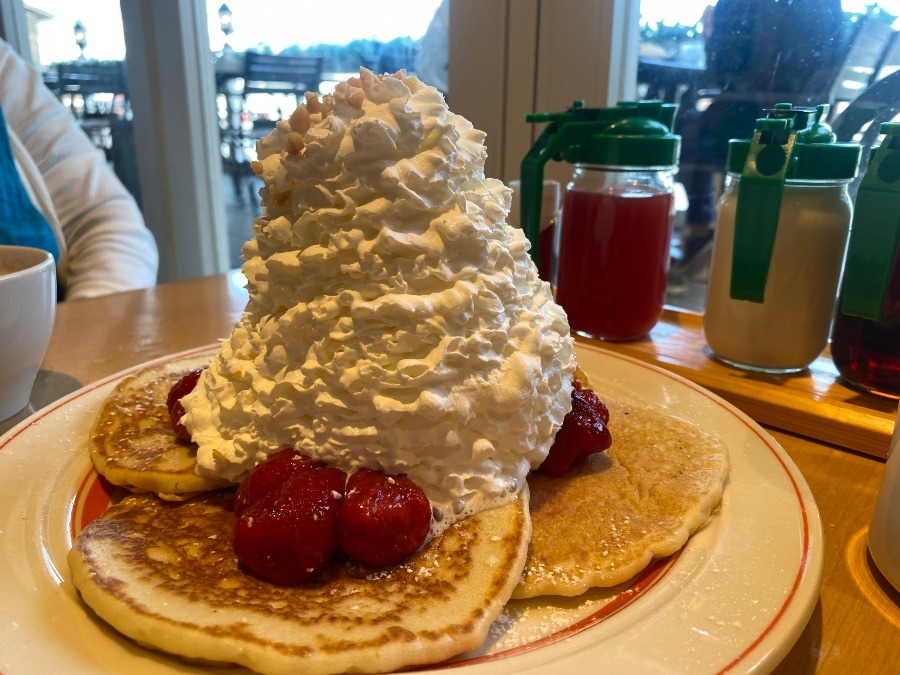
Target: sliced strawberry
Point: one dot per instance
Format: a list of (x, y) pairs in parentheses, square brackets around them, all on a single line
[(383, 519), (269, 475), (583, 433), (290, 534), (180, 389)]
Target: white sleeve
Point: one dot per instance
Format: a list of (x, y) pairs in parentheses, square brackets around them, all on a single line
[(109, 248)]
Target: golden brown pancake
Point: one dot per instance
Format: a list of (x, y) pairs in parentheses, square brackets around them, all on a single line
[(132, 442), (165, 575), (604, 522)]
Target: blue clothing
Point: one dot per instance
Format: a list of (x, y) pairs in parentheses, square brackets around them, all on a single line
[(21, 223)]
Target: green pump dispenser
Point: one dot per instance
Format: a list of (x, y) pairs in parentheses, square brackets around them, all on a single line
[(633, 134), (875, 234), (788, 144)]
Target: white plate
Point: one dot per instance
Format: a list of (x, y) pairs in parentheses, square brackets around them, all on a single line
[(736, 598)]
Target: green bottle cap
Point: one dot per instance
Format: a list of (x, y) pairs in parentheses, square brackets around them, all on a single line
[(790, 144), (875, 231), (631, 134)]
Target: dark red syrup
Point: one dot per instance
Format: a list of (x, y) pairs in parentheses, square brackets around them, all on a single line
[(613, 262)]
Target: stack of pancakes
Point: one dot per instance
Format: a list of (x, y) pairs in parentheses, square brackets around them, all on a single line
[(163, 572)]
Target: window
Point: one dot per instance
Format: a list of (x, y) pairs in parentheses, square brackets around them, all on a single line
[(506, 59), (80, 48), (303, 50), (726, 62), (175, 110)]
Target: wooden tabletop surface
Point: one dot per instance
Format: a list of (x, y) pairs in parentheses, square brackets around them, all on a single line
[(856, 624)]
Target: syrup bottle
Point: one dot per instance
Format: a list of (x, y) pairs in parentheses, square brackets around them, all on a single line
[(779, 244), (865, 341), (612, 244)]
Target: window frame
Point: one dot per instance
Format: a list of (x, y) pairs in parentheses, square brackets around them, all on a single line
[(14, 27), (171, 79), (512, 57)]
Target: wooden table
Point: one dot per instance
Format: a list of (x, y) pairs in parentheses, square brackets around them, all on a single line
[(856, 624)]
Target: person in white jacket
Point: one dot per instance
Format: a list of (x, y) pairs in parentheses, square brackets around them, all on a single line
[(103, 245)]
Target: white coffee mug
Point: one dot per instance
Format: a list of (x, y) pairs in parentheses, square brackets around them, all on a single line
[(884, 532), (27, 311)]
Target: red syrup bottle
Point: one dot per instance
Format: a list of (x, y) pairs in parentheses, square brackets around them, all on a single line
[(611, 246), (614, 251)]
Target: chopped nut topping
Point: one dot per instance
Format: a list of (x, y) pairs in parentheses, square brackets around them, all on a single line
[(313, 104), (295, 145), (280, 198), (356, 99), (299, 120), (327, 105)]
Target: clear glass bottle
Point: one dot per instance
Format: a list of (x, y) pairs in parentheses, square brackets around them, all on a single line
[(865, 341), (612, 250), (866, 352), (772, 312), (884, 530), (787, 331)]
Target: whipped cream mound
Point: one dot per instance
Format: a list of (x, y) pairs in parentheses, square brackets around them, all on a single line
[(395, 321)]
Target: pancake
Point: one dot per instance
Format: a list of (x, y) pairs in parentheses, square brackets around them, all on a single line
[(165, 575), (132, 443), (600, 525), (603, 523)]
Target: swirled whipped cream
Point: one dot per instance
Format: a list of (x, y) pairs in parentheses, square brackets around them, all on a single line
[(395, 321)]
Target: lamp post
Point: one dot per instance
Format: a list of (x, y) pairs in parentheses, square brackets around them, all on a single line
[(225, 23), (80, 38)]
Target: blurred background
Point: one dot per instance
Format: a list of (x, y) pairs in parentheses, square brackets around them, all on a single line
[(176, 92)]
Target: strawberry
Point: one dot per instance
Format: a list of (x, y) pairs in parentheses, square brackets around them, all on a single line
[(269, 475), (598, 406), (593, 400), (184, 386), (583, 433), (383, 519), (290, 534)]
